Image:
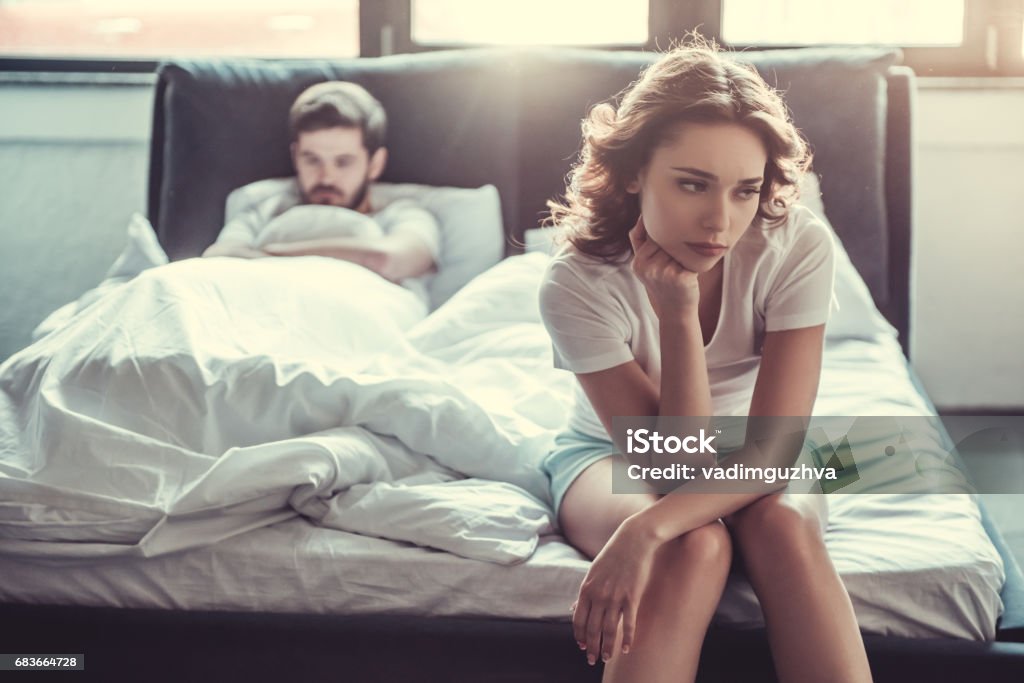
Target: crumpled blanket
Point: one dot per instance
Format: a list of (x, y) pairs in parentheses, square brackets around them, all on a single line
[(207, 397)]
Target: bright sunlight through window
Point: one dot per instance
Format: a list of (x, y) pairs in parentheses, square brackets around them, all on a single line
[(529, 22), (808, 22)]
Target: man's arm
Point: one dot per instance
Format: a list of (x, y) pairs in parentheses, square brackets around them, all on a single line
[(394, 257), (238, 237), (233, 248)]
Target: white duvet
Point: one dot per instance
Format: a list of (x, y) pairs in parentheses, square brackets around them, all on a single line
[(208, 397)]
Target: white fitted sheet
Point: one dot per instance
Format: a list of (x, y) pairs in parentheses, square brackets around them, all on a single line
[(914, 565)]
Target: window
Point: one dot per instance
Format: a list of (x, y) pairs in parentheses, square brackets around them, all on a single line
[(525, 22), (938, 37), (129, 29), (810, 22)]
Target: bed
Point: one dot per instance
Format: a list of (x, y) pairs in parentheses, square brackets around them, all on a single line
[(936, 592)]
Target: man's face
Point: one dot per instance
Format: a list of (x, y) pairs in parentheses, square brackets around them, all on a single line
[(334, 168)]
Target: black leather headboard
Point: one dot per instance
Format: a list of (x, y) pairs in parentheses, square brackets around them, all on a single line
[(512, 118)]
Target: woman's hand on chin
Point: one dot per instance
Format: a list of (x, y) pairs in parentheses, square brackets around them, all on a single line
[(672, 289)]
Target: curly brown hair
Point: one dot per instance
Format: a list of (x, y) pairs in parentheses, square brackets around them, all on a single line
[(696, 83)]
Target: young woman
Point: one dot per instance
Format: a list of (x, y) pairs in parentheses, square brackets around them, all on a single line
[(690, 285)]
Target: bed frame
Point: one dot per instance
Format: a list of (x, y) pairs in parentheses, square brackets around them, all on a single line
[(510, 118)]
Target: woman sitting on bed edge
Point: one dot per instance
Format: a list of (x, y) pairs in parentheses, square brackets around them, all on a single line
[(686, 280)]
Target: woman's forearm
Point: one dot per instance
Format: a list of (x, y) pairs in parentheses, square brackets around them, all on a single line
[(771, 443), (358, 250), (685, 390), (701, 502), (393, 257)]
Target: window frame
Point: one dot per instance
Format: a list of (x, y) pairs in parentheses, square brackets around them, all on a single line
[(386, 28), (992, 40), (991, 45), (129, 65)]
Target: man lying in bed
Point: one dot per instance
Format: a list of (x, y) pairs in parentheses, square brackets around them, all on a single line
[(337, 131)]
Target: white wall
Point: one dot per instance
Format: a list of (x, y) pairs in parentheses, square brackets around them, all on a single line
[(968, 305), (73, 161), (73, 167)]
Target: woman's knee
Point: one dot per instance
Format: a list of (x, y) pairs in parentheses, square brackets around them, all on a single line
[(707, 549), (781, 520)]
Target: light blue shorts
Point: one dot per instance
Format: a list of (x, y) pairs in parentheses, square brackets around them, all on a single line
[(572, 453)]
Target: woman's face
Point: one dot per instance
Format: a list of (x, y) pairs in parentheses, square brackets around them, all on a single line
[(701, 186)]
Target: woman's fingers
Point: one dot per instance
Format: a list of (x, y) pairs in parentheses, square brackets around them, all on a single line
[(637, 236), (628, 627), (659, 267), (579, 621), (648, 256), (661, 259), (641, 229), (579, 641), (609, 631), (595, 624), (600, 627), (644, 249)]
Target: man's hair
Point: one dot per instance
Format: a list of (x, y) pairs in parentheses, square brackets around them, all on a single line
[(339, 103), (694, 82)]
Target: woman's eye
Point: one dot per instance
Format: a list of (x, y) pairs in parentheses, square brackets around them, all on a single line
[(750, 192), (692, 186)]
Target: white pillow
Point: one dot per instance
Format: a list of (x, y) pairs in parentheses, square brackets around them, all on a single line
[(857, 317), (472, 238), (248, 196)]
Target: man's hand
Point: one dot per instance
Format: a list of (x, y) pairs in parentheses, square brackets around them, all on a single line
[(235, 249)]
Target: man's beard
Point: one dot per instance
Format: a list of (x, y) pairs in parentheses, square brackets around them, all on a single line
[(357, 197)]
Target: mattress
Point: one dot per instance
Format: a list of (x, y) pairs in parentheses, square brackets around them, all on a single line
[(915, 565)]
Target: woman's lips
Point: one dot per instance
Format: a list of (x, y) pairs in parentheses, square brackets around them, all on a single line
[(705, 250)]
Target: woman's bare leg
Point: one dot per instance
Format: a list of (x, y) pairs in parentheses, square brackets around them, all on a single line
[(687, 580), (811, 625)]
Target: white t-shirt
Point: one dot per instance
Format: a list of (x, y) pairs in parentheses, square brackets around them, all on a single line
[(400, 216), (599, 315)]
